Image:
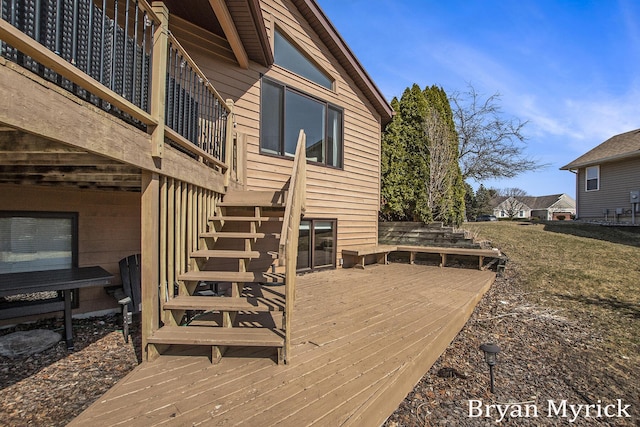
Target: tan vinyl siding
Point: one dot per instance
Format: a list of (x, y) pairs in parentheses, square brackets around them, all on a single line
[(617, 180), (108, 228), (350, 195)]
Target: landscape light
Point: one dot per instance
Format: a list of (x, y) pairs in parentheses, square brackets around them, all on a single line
[(490, 352)]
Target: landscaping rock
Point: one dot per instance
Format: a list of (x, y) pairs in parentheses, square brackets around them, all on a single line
[(26, 343)]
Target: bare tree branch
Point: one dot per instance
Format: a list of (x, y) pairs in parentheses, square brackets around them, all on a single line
[(490, 145)]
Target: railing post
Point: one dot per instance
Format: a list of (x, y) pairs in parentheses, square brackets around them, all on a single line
[(159, 76), (228, 158)]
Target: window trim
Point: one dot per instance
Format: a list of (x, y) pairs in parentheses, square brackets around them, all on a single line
[(586, 178), (283, 120)]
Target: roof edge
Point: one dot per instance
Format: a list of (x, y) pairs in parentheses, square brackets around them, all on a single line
[(258, 19), (623, 156)]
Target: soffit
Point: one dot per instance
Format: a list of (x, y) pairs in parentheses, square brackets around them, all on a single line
[(247, 18)]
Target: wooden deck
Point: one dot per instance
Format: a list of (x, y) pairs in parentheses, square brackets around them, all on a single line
[(361, 340)]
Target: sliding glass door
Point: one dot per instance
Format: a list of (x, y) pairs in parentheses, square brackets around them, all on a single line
[(317, 244)]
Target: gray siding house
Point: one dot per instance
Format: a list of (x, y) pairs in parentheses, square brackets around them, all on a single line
[(608, 180)]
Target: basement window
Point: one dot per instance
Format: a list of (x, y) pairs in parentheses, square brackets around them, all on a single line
[(38, 241), (592, 178)]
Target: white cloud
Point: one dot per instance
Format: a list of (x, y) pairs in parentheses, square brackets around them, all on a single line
[(592, 119)]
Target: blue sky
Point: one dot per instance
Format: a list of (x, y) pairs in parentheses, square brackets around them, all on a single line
[(571, 68)]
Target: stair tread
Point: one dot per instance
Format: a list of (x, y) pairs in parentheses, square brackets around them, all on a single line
[(218, 253), (207, 335), (208, 303), (245, 218), (222, 276), (251, 203), (238, 235)]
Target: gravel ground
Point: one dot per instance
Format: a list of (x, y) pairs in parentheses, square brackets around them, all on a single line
[(544, 357)]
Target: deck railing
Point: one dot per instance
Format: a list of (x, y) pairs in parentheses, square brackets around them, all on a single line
[(193, 107), (288, 248), (103, 51)]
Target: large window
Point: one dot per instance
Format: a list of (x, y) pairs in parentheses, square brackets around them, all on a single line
[(593, 178), (316, 244), (288, 56), (285, 111)]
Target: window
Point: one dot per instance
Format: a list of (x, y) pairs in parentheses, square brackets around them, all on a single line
[(593, 178), (286, 111), (35, 241), (290, 57), (316, 244)]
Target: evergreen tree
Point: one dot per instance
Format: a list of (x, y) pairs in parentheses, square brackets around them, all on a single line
[(484, 198), (421, 179)]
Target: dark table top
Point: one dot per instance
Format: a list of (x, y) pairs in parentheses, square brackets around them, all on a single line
[(53, 280)]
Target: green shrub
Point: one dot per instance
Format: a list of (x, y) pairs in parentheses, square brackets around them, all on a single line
[(561, 217)]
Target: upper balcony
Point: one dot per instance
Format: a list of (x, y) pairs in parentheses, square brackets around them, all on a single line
[(120, 56)]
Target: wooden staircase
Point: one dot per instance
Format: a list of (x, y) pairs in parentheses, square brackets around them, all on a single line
[(238, 257), (248, 255)]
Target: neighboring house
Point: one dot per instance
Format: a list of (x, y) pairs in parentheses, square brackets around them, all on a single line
[(135, 131), (546, 208), (608, 180)]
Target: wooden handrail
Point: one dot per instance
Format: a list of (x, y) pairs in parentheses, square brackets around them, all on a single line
[(288, 251)]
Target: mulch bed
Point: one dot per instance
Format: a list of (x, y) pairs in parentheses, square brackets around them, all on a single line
[(544, 356), (52, 387)]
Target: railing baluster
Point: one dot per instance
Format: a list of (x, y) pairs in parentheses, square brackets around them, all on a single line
[(134, 66), (90, 40), (150, 68), (144, 78), (125, 51), (174, 112), (114, 42), (74, 34), (12, 12), (58, 36), (102, 41), (36, 32), (189, 104)]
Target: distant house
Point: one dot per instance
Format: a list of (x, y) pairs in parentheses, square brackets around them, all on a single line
[(608, 178), (546, 208)]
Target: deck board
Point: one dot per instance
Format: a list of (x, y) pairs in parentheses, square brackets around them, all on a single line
[(361, 340)]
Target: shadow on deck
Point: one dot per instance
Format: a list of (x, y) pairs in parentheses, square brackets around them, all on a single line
[(362, 340)]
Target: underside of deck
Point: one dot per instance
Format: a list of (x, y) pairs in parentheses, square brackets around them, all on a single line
[(361, 340)]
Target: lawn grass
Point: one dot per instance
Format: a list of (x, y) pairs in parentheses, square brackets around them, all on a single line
[(590, 273)]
